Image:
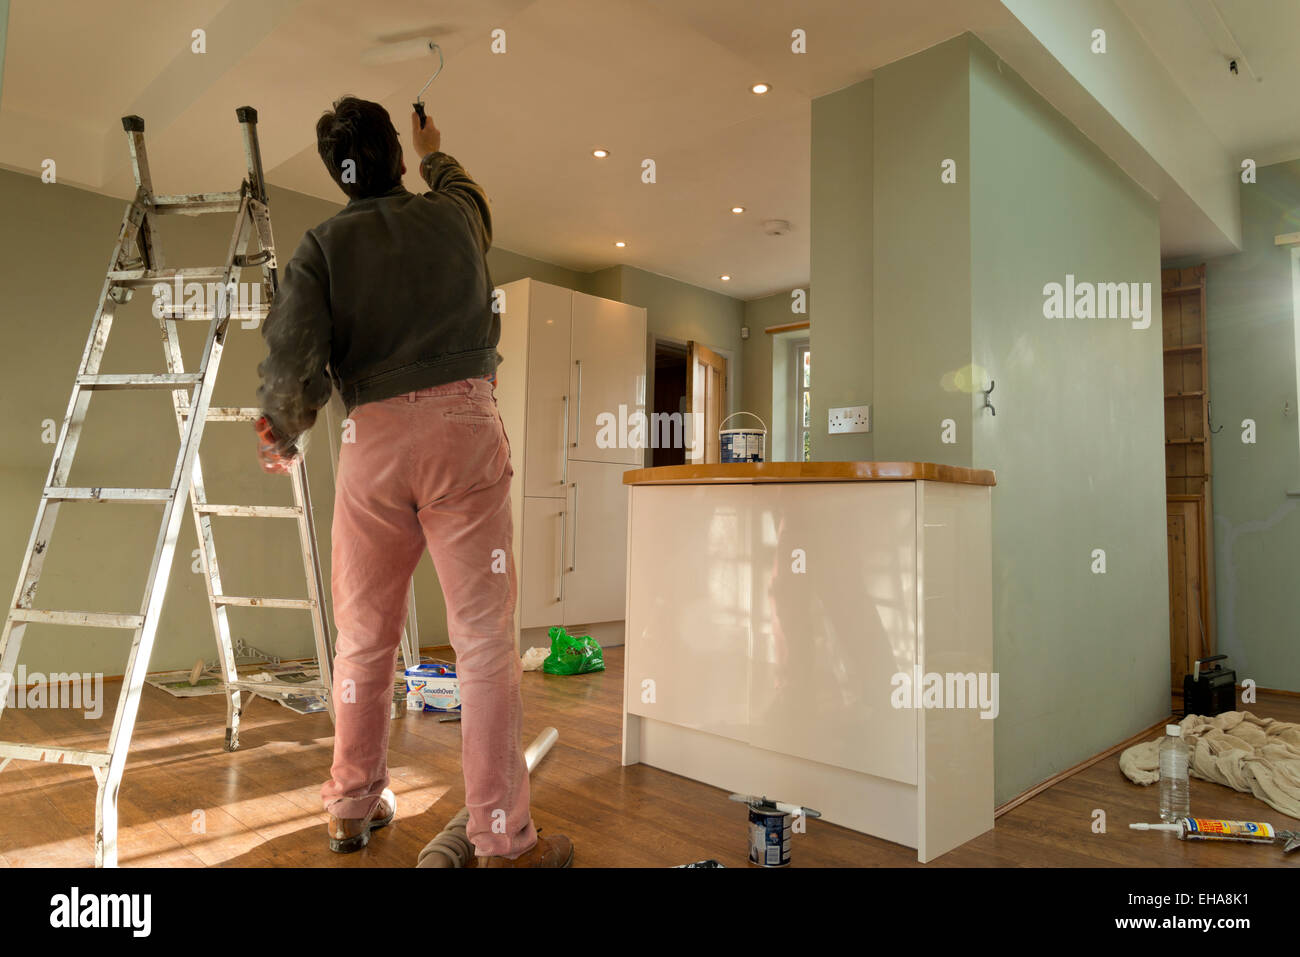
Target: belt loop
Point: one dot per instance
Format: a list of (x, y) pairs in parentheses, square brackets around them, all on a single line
[(410, 397)]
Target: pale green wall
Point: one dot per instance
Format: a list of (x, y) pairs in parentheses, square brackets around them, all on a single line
[(679, 311), (47, 295), (1077, 442), (506, 266), (1251, 320), (922, 256), (841, 265), (605, 283), (99, 554)]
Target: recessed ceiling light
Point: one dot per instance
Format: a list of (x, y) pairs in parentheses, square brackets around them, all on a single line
[(759, 88), (737, 209), (620, 244), (600, 153), (724, 278)]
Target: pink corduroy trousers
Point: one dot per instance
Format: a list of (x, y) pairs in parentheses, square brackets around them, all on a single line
[(429, 469)]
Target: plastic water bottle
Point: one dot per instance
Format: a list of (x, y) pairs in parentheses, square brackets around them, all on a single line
[(1174, 790)]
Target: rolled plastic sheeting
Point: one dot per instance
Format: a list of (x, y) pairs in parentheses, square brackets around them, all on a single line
[(452, 847)]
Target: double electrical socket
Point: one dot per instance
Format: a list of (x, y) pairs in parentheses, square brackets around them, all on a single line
[(851, 418)]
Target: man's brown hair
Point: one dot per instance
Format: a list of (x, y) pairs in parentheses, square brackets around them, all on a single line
[(360, 131)]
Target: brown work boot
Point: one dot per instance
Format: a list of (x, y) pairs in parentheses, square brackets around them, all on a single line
[(348, 834), (556, 851)]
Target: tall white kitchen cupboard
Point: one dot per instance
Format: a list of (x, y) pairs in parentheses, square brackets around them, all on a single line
[(573, 366)]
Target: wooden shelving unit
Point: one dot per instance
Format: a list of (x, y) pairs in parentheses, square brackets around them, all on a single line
[(1188, 469)]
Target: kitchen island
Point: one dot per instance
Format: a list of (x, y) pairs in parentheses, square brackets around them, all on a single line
[(819, 633)]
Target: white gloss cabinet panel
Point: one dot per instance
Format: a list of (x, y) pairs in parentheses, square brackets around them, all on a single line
[(560, 490), (690, 572), (607, 371), (547, 428), (955, 637), (834, 621), (596, 543), (543, 547)]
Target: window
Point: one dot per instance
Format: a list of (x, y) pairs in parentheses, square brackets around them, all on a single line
[(801, 433)]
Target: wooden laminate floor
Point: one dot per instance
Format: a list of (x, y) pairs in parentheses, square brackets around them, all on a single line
[(185, 802)]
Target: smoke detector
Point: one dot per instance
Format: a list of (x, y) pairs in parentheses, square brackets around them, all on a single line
[(776, 227)]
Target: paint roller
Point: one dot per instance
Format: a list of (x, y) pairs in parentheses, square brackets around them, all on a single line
[(452, 846), (406, 50)]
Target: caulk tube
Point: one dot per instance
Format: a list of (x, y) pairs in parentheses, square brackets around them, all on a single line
[(1212, 829)]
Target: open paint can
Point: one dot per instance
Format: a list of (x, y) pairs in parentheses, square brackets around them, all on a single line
[(769, 835)]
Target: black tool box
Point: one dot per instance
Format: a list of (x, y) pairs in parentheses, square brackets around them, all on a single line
[(1209, 691)]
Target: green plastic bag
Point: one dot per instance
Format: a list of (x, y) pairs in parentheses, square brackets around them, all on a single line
[(572, 656)]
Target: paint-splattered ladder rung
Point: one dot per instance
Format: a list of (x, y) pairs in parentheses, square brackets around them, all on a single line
[(133, 278), (245, 601), (291, 687), (230, 414), (138, 496), (85, 619), (143, 380), (36, 752), (184, 313), (196, 204), (250, 511)]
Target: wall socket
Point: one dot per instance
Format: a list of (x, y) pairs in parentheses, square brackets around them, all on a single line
[(852, 418)]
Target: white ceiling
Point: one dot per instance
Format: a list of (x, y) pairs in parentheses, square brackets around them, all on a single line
[(660, 79), (1254, 116)]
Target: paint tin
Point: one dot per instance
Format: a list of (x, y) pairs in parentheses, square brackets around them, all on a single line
[(769, 836), (742, 445)]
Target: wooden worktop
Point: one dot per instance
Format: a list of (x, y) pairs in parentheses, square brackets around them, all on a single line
[(750, 473)]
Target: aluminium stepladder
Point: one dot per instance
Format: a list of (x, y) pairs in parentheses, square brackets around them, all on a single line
[(135, 263)]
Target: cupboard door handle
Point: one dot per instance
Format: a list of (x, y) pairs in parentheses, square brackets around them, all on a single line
[(574, 566), (578, 363), (559, 566), (564, 479)]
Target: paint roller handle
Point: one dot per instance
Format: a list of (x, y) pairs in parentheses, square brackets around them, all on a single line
[(425, 136)]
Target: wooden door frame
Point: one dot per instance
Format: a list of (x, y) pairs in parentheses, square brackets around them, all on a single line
[(724, 407), (795, 443), (652, 342)]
